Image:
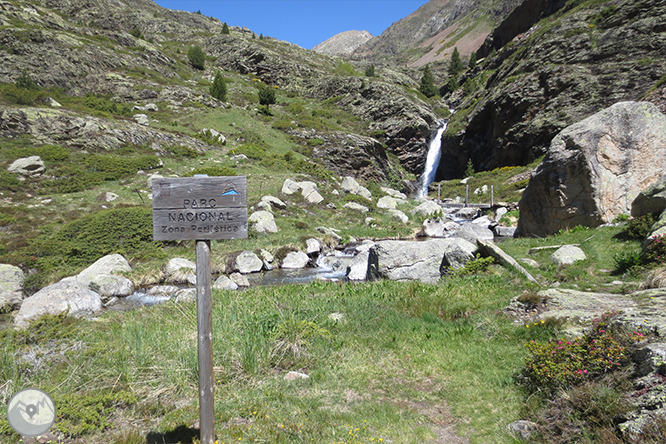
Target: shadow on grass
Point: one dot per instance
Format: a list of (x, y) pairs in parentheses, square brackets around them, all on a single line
[(179, 435)]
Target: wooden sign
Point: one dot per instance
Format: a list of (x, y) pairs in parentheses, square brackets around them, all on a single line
[(200, 208)]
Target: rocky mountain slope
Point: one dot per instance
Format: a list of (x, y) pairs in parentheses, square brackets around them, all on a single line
[(431, 32), (583, 58), (343, 43)]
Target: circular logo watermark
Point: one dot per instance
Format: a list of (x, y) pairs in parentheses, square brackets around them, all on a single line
[(31, 412)]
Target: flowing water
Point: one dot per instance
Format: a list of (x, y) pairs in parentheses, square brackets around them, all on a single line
[(432, 161)]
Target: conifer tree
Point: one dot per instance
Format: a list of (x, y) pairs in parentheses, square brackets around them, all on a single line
[(427, 86), (197, 57), (456, 65), (225, 28), (370, 71), (472, 60), (219, 88)]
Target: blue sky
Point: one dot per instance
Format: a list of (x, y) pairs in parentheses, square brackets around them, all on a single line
[(303, 22)]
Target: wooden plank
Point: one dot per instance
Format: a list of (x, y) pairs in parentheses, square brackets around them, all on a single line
[(218, 223), (205, 343), (199, 192), (200, 208)]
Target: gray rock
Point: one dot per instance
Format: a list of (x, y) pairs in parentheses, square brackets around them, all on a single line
[(650, 359), (422, 261), (652, 200), (427, 208), (504, 231), (467, 213), (28, 166), (567, 255), (274, 202), (248, 262), (224, 283), (67, 295), (387, 202), (239, 279), (186, 295), (109, 286), (399, 215), (438, 228), (290, 187), (311, 194), (295, 260), (181, 271), (350, 185), (471, 232), (107, 265), (358, 269), (394, 193), (356, 207), (595, 169), (312, 246), (263, 222), (141, 119), (501, 211), (11, 286)]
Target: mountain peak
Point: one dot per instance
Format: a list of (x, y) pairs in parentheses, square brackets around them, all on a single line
[(344, 43)]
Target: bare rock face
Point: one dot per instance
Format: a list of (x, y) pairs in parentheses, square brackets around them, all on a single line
[(594, 169), (344, 43)]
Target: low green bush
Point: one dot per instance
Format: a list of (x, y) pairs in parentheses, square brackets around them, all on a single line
[(127, 231), (22, 96), (114, 168), (10, 181), (655, 252), (253, 151), (106, 105), (639, 227)]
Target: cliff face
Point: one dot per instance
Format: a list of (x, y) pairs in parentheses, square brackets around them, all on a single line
[(579, 60)]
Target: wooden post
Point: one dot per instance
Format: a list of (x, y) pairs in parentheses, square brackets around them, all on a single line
[(466, 195), (492, 196), (205, 343), (201, 209)]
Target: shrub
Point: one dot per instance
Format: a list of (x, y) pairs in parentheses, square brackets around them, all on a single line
[(22, 96), (219, 88), (267, 95), (212, 171), (24, 81), (639, 227), (10, 181), (105, 105), (561, 363), (253, 151), (128, 231), (136, 32), (477, 265), (626, 261), (370, 71), (197, 57), (655, 251), (114, 168)]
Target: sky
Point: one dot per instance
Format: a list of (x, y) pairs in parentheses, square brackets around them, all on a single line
[(303, 22)]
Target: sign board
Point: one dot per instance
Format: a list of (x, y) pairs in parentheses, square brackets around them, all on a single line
[(200, 208)]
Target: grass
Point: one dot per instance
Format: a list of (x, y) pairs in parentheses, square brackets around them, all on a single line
[(378, 373)]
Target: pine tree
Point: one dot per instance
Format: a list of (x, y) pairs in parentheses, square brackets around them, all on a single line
[(219, 88), (456, 65), (370, 71), (225, 28), (427, 86), (266, 95), (472, 60), (197, 57)]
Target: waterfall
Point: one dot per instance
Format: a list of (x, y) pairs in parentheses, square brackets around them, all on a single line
[(432, 161)]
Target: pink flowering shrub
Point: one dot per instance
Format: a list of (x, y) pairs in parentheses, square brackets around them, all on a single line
[(561, 363), (655, 252)]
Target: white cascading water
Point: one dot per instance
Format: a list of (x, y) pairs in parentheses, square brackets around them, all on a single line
[(432, 161)]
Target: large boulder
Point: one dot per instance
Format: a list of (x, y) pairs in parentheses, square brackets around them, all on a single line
[(11, 286), (595, 169), (28, 166), (424, 261), (68, 295), (295, 260)]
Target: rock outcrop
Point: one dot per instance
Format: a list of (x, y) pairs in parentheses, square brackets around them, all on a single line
[(595, 169), (11, 286), (343, 43)]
